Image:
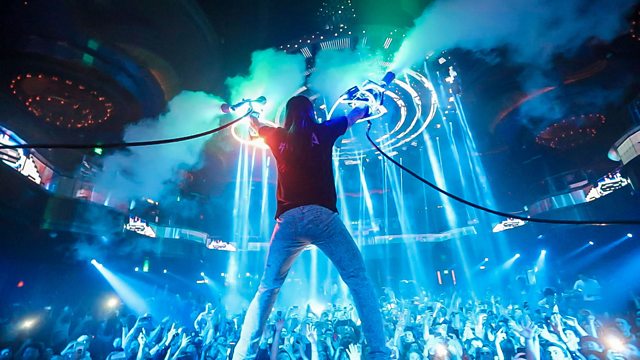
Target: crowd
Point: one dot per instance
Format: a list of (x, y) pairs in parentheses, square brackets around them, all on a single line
[(445, 326)]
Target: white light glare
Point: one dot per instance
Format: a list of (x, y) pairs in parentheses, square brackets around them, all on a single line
[(112, 302), (28, 323), (615, 343), (629, 235), (441, 350)]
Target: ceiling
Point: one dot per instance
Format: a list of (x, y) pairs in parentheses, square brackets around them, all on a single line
[(139, 54)]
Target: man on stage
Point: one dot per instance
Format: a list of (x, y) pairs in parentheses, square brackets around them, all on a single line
[(307, 214)]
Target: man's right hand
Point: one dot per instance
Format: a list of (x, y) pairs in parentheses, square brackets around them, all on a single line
[(357, 113)]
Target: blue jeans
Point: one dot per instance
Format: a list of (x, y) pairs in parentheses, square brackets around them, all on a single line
[(295, 229)]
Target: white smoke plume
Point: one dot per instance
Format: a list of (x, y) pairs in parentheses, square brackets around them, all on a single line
[(149, 171), (338, 70), (273, 74), (146, 171), (533, 30)]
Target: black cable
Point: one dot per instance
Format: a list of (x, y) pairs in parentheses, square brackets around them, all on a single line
[(124, 144), (407, 170), (492, 211)]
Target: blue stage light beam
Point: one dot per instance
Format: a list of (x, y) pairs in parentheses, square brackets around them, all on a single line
[(396, 188), (313, 281), (578, 250), (477, 173), (367, 196), (509, 263), (241, 216), (236, 227), (181, 279), (540, 261), (344, 211), (129, 296), (435, 162), (264, 205), (344, 214), (599, 252), (247, 181)]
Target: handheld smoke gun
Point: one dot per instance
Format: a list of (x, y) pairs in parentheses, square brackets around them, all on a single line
[(252, 112), (226, 108), (370, 94)]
